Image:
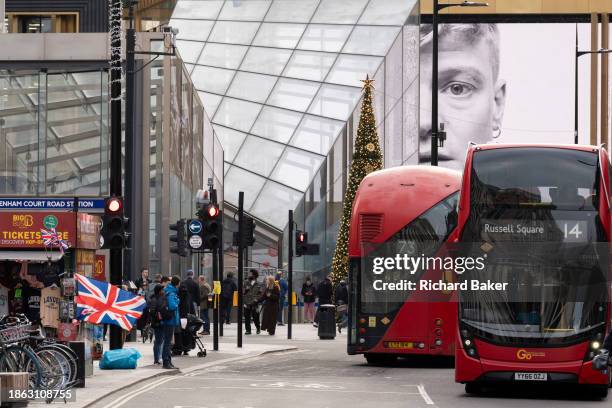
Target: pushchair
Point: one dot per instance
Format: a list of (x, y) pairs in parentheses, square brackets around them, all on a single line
[(190, 338)]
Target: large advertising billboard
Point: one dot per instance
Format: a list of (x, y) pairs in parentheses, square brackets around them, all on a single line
[(506, 83)]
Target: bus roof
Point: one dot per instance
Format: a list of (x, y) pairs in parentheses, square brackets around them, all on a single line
[(388, 200), (543, 145)]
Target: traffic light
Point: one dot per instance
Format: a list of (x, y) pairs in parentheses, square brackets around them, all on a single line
[(180, 238), (301, 243), (211, 227), (248, 231), (114, 225), (302, 247)]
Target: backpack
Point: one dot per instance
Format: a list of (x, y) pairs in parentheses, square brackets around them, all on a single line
[(161, 311)]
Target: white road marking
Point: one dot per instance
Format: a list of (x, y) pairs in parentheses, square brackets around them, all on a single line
[(315, 390), (424, 394), (130, 395)]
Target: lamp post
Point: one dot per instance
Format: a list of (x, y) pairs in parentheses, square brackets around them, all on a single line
[(578, 55), (434, 72)]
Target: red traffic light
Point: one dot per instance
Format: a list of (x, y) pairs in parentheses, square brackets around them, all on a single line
[(212, 211), (113, 205)]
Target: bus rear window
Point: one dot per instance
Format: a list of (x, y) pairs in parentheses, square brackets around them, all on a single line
[(554, 178)]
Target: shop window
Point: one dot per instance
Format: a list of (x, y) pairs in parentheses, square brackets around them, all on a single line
[(31, 23)]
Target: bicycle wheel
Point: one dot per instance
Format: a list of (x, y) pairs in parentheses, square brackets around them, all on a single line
[(69, 356), (16, 359), (56, 369)]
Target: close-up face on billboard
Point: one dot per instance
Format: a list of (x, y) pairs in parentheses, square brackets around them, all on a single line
[(504, 83)]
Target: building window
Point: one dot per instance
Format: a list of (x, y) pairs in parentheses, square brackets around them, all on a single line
[(42, 22)]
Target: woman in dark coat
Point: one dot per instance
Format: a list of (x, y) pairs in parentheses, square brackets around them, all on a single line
[(269, 297)]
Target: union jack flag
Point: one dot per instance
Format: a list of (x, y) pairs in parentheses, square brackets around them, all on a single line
[(100, 302), (52, 238)]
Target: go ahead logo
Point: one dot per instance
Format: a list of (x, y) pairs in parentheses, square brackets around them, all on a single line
[(523, 354)]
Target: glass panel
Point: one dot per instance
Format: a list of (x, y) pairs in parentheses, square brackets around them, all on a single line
[(197, 9), (210, 79), (296, 168), (222, 55), (233, 32), (253, 10), (237, 180), (276, 124), (316, 134), (189, 50), (231, 140), (237, 114), (387, 12), (279, 35), (210, 102), (197, 30), (339, 11), (293, 94), (254, 87), (335, 101), (371, 40), (273, 202), (351, 69), (292, 11), (309, 65), (265, 60), (328, 38), (259, 155)]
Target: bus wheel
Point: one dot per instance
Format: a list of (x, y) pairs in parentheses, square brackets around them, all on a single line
[(473, 388), (380, 359)]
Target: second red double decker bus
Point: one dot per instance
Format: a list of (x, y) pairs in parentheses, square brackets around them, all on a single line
[(403, 210), (540, 216)]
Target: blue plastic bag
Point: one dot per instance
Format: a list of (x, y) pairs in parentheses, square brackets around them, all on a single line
[(120, 359)]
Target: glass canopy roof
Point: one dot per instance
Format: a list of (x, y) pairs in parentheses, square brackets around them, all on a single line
[(279, 78)]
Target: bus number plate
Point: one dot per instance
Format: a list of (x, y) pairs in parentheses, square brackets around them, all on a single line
[(398, 344), (530, 376)]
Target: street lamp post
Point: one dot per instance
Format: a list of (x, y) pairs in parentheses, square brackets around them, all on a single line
[(578, 55), (434, 72)]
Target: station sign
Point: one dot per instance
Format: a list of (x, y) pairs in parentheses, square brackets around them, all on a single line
[(37, 203)]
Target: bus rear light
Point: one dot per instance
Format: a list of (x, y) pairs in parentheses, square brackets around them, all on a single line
[(362, 330), (438, 322)]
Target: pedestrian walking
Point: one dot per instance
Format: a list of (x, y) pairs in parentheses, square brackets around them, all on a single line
[(228, 287), (170, 322), (309, 294), (284, 288), (252, 293), (193, 288), (158, 307), (341, 304), (204, 292), (269, 297), (324, 293)]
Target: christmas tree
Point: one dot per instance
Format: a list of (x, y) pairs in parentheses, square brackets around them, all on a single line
[(367, 157)]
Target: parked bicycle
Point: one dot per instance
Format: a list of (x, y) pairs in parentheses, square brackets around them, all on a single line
[(50, 365)]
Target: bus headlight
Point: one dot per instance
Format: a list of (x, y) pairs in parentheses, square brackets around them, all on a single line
[(595, 345), (361, 341), (438, 342)]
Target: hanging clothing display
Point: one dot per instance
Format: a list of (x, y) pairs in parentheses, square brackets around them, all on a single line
[(49, 310)]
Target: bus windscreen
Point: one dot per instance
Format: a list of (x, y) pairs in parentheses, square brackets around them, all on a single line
[(534, 215)]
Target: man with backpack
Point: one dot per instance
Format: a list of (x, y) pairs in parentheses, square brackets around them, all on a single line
[(158, 306), (228, 287)]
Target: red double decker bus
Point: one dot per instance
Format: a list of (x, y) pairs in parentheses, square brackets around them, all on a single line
[(403, 210), (540, 215)]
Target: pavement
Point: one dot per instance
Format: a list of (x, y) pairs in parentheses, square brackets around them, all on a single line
[(105, 382)]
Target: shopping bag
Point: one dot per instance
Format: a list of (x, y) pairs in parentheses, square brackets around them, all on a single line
[(120, 359)]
